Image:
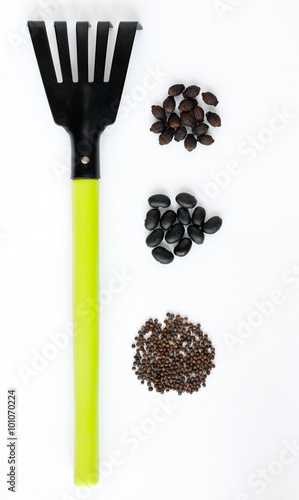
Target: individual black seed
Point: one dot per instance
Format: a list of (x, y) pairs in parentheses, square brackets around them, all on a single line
[(199, 114), (191, 91), (196, 234), (187, 104), (212, 225), (167, 219), (158, 127), (188, 119), (200, 129), (184, 216), (190, 142), (198, 216), (206, 140), (183, 247), (209, 98), (180, 134), (175, 233), (174, 121), (159, 201), (158, 112), (176, 89), (162, 255), (166, 137), (155, 238), (186, 200), (152, 219), (169, 104), (213, 119)]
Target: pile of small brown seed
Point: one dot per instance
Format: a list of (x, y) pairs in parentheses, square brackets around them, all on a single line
[(178, 357), (187, 125)]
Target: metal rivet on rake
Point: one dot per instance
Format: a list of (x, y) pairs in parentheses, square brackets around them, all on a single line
[(84, 160)]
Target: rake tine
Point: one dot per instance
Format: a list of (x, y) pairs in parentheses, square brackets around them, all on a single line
[(101, 48), (42, 51), (64, 51), (82, 50), (122, 52)]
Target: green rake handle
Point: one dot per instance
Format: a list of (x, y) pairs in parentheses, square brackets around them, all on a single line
[(85, 197)]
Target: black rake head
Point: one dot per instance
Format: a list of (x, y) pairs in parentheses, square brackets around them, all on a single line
[(84, 108)]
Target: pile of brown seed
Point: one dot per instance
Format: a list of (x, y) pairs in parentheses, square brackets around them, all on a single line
[(178, 357), (188, 123)]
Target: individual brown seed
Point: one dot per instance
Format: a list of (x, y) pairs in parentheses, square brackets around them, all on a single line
[(174, 121), (166, 137), (188, 119), (180, 134), (158, 112), (191, 91), (198, 113), (187, 104), (209, 98), (206, 140), (169, 104), (213, 119), (190, 142), (200, 129), (158, 127), (176, 89)]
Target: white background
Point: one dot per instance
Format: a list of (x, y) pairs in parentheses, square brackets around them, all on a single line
[(214, 444)]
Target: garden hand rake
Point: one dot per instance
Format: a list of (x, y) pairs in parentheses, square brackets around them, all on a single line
[(84, 109)]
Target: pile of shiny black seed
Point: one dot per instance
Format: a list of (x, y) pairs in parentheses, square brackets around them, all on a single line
[(178, 357), (173, 231), (187, 124)]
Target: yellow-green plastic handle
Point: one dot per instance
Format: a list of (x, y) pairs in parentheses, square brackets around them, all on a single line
[(85, 195)]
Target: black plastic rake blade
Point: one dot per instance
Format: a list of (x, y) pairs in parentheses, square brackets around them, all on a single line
[(84, 108), (101, 50), (42, 50), (63, 50), (82, 50)]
